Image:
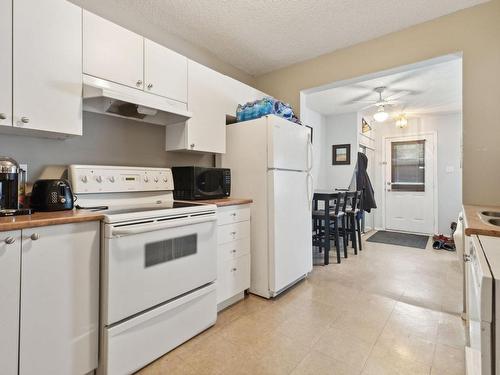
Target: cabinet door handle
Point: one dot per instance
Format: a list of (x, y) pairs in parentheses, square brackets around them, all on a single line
[(35, 236), (138, 83), (233, 233), (3, 116), (150, 86), (233, 251), (233, 214), (466, 258), (25, 120), (234, 269), (10, 240), (192, 145)]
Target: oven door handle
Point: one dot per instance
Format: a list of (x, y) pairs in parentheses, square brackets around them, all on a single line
[(144, 228)]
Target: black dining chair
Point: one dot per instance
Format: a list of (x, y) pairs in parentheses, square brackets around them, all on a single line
[(335, 219), (353, 198)]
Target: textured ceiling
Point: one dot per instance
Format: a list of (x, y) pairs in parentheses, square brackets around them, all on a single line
[(433, 89), (258, 36)]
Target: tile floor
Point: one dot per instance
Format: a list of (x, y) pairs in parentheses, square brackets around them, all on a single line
[(389, 310)]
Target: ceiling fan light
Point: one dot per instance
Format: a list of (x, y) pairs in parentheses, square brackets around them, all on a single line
[(381, 115)]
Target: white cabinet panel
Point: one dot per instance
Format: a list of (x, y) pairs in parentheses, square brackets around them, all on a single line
[(6, 62), (233, 214), (47, 77), (112, 52), (233, 277), (207, 129), (165, 72), (233, 249), (232, 232), (59, 299), (10, 269)]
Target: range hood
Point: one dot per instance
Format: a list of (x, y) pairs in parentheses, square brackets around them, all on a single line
[(105, 97)]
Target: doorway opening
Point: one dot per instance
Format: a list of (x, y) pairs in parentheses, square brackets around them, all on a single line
[(408, 122)]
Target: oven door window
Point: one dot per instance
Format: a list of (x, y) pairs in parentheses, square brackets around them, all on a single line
[(209, 182), (167, 250)]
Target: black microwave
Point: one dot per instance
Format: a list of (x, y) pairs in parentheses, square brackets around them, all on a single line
[(191, 183)]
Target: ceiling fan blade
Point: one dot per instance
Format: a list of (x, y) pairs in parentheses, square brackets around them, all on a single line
[(364, 101), (359, 98), (368, 106), (397, 95)]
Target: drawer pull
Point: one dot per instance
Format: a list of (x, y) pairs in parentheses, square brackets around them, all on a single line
[(233, 251), (234, 269), (233, 214)]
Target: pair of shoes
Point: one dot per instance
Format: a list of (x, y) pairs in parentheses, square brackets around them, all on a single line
[(443, 245)]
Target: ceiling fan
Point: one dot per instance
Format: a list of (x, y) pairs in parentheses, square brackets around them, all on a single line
[(381, 115)]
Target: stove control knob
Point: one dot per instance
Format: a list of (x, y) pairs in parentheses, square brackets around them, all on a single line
[(62, 200), (98, 179), (84, 179), (156, 179), (165, 179), (111, 179), (146, 179)]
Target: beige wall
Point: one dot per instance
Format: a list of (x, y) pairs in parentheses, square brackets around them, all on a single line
[(476, 33)]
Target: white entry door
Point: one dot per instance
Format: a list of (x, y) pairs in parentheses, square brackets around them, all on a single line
[(409, 184)]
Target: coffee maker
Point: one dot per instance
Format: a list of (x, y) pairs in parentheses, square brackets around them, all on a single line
[(11, 182)]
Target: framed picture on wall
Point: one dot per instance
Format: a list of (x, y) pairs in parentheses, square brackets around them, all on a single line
[(341, 154)]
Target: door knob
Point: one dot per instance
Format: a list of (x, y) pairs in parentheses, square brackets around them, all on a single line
[(10, 240), (3, 116), (35, 236)]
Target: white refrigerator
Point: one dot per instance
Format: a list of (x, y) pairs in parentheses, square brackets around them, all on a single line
[(270, 160)]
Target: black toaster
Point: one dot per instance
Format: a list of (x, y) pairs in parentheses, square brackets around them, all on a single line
[(51, 195)]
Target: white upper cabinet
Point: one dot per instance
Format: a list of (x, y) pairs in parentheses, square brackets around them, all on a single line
[(112, 52), (165, 72), (6, 62), (47, 66), (206, 130), (211, 96)]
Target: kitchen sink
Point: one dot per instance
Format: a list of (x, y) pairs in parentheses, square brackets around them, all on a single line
[(491, 213), (494, 222)]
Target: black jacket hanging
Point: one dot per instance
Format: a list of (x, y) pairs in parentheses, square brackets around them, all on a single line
[(363, 183)]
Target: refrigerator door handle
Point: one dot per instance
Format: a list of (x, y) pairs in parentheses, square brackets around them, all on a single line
[(309, 153)]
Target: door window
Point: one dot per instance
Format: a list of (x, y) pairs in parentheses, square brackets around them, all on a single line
[(408, 165)]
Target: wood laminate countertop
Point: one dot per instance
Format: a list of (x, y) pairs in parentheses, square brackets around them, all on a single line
[(477, 223), (224, 202), (42, 219)]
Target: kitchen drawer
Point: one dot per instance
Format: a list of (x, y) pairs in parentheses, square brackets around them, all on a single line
[(233, 249), (233, 277), (232, 232), (233, 214)]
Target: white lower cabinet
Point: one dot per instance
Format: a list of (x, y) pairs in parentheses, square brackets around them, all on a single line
[(233, 253), (49, 299), (10, 273)]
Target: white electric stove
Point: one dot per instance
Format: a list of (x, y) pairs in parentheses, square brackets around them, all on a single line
[(158, 263)]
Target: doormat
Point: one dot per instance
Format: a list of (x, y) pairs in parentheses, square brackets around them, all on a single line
[(400, 239)]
